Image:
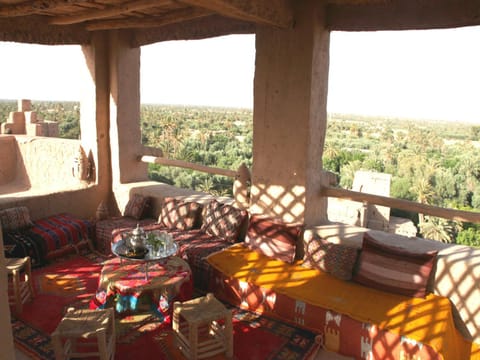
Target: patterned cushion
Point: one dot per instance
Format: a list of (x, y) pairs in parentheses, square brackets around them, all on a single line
[(223, 220), (336, 259), (136, 206), (273, 238), (178, 214), (394, 269), (15, 218)]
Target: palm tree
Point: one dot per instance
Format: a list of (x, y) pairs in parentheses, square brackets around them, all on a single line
[(330, 151), (437, 229), (424, 191)]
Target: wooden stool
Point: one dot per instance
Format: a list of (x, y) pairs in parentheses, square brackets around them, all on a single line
[(198, 332), (85, 333), (21, 288)]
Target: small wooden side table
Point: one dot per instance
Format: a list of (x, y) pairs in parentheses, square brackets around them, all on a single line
[(85, 333), (203, 327), (22, 286)]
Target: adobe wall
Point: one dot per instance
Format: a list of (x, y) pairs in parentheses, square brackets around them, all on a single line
[(11, 163), (50, 186), (49, 162), (125, 136), (39, 176), (289, 118)]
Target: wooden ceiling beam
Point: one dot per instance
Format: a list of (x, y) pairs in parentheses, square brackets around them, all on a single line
[(403, 15), (35, 7), (278, 13), (201, 28), (108, 12), (169, 18)]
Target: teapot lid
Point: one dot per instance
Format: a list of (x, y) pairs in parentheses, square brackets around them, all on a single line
[(138, 230)]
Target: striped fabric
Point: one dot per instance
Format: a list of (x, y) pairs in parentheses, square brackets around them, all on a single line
[(16, 218), (49, 238), (393, 269), (273, 238)]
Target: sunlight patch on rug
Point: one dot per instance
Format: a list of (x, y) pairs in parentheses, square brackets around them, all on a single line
[(61, 285), (129, 328)]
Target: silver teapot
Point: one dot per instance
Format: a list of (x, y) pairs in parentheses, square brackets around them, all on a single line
[(137, 239)]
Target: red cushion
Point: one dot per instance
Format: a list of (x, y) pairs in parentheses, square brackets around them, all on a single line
[(179, 214), (136, 206), (223, 220), (273, 238), (393, 269)]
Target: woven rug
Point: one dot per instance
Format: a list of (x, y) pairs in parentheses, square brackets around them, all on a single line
[(72, 283)]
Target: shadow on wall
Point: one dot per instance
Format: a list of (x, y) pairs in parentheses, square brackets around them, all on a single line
[(13, 175), (42, 165)]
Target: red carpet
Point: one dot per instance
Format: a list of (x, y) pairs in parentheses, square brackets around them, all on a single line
[(72, 283)]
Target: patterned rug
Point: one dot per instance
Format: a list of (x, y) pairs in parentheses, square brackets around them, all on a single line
[(72, 283)]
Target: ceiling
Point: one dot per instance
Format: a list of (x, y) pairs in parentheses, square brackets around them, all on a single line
[(75, 20), (149, 21)]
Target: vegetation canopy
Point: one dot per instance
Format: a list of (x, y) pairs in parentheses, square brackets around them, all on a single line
[(431, 162)]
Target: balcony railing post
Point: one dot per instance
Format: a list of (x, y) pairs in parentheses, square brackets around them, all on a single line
[(363, 214), (241, 187)]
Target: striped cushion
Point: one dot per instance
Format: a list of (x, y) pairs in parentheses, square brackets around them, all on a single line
[(393, 269), (273, 237), (335, 259), (15, 218), (179, 214)]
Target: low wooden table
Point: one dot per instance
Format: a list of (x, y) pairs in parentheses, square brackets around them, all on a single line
[(124, 285)]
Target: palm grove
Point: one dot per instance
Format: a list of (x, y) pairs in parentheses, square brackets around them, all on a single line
[(435, 163)]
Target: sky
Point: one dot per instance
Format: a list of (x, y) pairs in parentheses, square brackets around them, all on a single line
[(432, 74)]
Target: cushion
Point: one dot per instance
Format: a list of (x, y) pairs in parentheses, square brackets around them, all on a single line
[(16, 218), (393, 269), (335, 259), (223, 220), (136, 206), (178, 214), (273, 238)]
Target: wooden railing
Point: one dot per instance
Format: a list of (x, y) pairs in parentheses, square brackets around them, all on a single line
[(241, 176), (187, 165), (331, 191), (446, 213)]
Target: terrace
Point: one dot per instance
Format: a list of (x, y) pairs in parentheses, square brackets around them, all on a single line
[(290, 94)]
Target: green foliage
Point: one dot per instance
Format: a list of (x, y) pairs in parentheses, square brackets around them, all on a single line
[(400, 188), (439, 229), (469, 236), (215, 137), (430, 162), (6, 107)]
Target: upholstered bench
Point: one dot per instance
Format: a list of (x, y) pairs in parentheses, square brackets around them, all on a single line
[(43, 239), (198, 229)]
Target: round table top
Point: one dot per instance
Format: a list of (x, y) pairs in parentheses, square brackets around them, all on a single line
[(121, 249), (126, 275)]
